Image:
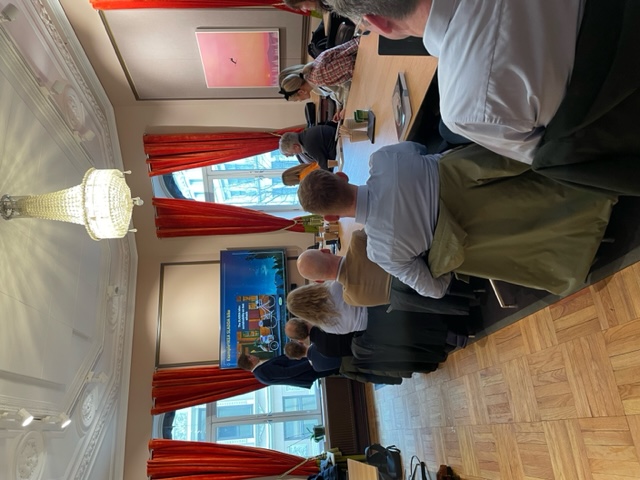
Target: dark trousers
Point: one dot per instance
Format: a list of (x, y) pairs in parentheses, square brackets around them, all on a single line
[(401, 341), (406, 329), (403, 297)]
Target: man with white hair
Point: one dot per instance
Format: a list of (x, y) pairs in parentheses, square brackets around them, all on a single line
[(314, 144)]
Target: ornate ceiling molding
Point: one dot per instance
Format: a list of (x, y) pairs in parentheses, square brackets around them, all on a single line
[(68, 98)]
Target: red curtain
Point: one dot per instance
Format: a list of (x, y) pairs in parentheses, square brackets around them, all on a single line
[(173, 152), (189, 218), (185, 387), (131, 4), (174, 459)]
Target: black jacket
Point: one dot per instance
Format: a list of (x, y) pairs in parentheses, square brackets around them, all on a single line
[(281, 370), (319, 143)]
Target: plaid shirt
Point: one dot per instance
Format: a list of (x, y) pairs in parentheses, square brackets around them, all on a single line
[(334, 66)]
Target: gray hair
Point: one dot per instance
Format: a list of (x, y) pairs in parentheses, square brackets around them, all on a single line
[(287, 141), (356, 9)]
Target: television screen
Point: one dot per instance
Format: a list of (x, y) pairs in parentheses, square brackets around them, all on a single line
[(252, 302)]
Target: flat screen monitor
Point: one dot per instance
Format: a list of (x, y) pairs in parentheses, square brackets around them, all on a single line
[(252, 302)]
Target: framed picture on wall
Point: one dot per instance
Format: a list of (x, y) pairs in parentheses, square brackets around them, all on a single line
[(197, 54), (239, 58)]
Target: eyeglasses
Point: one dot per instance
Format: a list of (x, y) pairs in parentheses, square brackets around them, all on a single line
[(362, 28)]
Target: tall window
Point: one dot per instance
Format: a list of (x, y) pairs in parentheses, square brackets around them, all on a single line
[(253, 182), (278, 417)]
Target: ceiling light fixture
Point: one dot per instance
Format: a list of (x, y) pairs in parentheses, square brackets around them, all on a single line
[(65, 421), (62, 419), (26, 417), (102, 203)]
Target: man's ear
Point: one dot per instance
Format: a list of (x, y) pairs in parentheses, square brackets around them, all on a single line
[(332, 218), (380, 24), (343, 176)]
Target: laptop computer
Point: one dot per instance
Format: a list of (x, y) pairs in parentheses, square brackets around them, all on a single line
[(406, 46)]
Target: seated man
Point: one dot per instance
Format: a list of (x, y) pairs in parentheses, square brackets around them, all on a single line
[(319, 362), (517, 75), (281, 370), (328, 344), (366, 284), (503, 67), (314, 144), (398, 208), (477, 213), (339, 346)]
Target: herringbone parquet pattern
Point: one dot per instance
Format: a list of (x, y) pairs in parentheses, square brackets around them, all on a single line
[(553, 396)]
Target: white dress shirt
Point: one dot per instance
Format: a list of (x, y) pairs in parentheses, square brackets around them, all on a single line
[(399, 210), (503, 67)]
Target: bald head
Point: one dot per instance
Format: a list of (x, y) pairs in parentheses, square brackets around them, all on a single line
[(318, 265)]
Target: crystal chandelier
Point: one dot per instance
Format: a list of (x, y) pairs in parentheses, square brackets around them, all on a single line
[(102, 203)]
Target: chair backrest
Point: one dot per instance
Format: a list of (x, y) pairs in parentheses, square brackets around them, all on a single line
[(318, 43), (341, 30), (310, 114), (343, 34)]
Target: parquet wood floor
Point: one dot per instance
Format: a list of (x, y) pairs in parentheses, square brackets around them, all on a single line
[(555, 395)]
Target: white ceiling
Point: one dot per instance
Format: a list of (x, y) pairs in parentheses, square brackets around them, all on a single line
[(59, 326)]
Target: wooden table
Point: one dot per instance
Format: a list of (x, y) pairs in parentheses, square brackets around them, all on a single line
[(374, 78)]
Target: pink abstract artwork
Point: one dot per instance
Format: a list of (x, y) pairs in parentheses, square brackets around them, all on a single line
[(239, 58)]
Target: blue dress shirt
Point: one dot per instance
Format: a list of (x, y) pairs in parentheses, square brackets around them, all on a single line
[(399, 209)]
